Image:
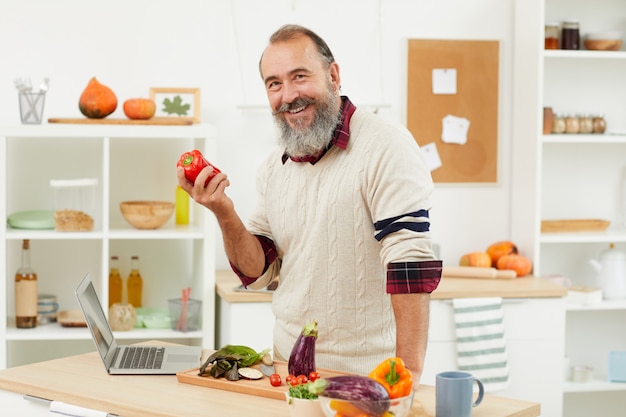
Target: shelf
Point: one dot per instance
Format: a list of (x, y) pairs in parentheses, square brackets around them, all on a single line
[(605, 305), (583, 54), (171, 232), (607, 138), (58, 332), (593, 386), (59, 130), (609, 236)]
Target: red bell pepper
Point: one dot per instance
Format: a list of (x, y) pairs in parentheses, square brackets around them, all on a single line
[(193, 162)]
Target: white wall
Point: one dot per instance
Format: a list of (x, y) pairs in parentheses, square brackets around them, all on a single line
[(132, 45)]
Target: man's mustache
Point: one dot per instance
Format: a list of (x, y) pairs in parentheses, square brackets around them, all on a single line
[(296, 104)]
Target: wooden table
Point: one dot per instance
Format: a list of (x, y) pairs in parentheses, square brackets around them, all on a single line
[(81, 380), (449, 288)]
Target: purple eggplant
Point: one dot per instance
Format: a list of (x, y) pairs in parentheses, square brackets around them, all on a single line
[(362, 391), (302, 357)]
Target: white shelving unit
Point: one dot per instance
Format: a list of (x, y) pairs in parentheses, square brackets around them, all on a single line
[(131, 162), (574, 173)]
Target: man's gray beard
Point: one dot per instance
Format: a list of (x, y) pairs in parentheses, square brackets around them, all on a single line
[(302, 141)]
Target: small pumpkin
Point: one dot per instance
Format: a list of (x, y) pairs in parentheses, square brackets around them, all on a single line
[(97, 100), (476, 259), (501, 248), (518, 263), (139, 108)]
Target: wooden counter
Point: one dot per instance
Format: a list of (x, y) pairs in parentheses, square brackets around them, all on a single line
[(81, 380), (527, 287)]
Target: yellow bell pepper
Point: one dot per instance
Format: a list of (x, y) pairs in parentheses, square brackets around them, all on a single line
[(394, 376)]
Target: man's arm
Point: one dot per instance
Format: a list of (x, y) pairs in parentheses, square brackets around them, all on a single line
[(242, 248), (411, 312)]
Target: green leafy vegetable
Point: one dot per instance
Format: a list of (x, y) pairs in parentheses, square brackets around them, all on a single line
[(302, 391), (228, 357)]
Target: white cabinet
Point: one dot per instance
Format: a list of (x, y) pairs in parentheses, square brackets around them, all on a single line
[(572, 176), (131, 162), (534, 332)]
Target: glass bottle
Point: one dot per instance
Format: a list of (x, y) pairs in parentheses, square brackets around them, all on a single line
[(552, 30), (134, 283), (585, 124), (570, 35), (115, 282), (182, 206), (25, 291), (558, 123), (571, 124), (599, 123)]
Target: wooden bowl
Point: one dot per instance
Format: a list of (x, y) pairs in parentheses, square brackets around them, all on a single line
[(603, 44), (146, 214)]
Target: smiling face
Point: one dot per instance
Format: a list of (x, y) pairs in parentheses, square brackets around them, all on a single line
[(303, 92)]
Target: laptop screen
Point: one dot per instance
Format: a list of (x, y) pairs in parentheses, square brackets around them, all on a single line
[(94, 315)]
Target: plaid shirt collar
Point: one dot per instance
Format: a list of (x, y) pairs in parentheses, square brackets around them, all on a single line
[(340, 136)]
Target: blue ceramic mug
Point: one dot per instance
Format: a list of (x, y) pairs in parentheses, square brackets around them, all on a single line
[(454, 391)]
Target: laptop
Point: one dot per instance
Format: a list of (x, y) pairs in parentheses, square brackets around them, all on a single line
[(126, 359)]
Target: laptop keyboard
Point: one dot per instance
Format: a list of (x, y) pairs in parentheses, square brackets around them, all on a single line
[(142, 357)]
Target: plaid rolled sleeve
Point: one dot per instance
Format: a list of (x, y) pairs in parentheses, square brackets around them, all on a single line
[(413, 277), (269, 249)]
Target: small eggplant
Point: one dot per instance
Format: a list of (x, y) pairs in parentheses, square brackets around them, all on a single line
[(362, 391), (302, 357)]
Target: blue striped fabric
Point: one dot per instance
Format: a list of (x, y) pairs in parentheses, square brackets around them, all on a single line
[(480, 340)]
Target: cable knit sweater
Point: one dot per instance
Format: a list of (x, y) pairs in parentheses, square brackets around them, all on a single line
[(332, 269)]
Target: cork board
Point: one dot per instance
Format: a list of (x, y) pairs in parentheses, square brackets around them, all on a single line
[(475, 100)]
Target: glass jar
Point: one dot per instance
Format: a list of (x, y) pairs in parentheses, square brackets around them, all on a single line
[(551, 40), (570, 35), (572, 124), (599, 124), (585, 123), (558, 123)]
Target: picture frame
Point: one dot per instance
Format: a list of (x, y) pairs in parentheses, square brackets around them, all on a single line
[(175, 102)]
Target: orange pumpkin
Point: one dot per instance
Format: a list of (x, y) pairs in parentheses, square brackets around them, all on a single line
[(518, 263), (97, 100), (476, 259), (499, 249), (139, 108)]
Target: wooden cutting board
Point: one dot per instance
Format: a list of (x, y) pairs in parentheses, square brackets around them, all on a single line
[(154, 121), (260, 387), (477, 272)]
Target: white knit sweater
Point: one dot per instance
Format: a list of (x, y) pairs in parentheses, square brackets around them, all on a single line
[(332, 269)]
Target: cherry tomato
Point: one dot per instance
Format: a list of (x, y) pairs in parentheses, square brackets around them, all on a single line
[(291, 380), (275, 380), (302, 379), (313, 375)]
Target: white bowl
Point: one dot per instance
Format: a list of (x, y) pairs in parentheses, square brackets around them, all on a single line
[(299, 407), (400, 407)]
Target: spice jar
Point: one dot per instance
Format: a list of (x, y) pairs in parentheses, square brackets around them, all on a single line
[(585, 123), (599, 124), (558, 123), (551, 40), (570, 35), (572, 124)]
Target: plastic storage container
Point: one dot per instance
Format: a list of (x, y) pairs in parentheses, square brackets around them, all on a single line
[(74, 202)]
